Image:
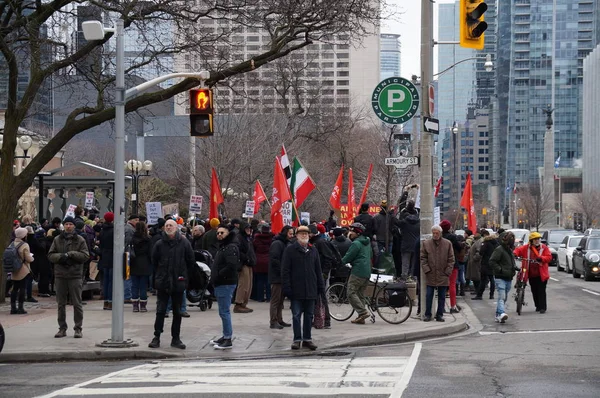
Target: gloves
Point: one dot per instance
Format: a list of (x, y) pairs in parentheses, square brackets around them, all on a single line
[(539, 260), (63, 258)]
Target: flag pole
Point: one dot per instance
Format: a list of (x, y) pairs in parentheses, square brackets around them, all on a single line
[(324, 198)]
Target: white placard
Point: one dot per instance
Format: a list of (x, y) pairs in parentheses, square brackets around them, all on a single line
[(153, 212), (286, 212), (89, 200), (249, 208), (305, 216), (436, 216), (71, 211), (195, 204)]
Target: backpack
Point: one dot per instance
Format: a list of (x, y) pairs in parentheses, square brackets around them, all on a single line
[(11, 260)]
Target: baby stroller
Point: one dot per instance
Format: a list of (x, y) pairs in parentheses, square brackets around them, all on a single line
[(198, 289)]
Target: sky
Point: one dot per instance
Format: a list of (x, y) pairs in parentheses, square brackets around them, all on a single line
[(406, 21)]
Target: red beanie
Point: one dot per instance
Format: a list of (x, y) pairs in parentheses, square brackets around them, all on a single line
[(446, 225), (321, 228), (109, 217)]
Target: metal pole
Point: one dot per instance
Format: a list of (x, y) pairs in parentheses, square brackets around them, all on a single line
[(425, 142), (192, 165), (136, 190), (40, 198)]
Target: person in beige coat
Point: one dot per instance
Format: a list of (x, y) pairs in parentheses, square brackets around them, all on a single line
[(19, 277), (437, 261)]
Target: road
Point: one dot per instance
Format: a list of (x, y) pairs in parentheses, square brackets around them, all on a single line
[(534, 355)]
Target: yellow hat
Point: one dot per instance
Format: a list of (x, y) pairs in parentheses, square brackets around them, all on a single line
[(214, 223)]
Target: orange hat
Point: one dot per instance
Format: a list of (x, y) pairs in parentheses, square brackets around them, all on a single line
[(179, 221), (214, 223)]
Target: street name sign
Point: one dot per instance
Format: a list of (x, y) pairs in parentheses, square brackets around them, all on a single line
[(402, 161), (395, 100), (431, 125)]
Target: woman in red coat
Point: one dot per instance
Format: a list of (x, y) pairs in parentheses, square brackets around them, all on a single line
[(262, 243), (538, 273)]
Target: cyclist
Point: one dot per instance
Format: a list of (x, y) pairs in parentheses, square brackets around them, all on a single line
[(359, 256), (503, 265), (538, 273)]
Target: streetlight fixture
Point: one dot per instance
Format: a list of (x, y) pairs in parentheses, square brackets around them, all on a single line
[(454, 128), (488, 64), (25, 142), (94, 30), (136, 169)]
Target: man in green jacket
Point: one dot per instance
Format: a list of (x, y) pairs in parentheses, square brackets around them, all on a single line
[(502, 263), (359, 256)]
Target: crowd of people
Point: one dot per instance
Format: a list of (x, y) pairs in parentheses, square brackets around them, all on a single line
[(250, 262)]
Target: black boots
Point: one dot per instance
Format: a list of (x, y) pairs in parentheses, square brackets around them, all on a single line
[(13, 307), (462, 289), (155, 343)]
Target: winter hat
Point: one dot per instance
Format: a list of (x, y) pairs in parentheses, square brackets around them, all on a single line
[(214, 223), (69, 219), (109, 217), (446, 225), (79, 224), (321, 228), (21, 233), (313, 229), (338, 232), (264, 227), (161, 223), (16, 222)]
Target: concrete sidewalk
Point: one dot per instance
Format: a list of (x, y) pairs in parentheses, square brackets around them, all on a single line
[(30, 337)]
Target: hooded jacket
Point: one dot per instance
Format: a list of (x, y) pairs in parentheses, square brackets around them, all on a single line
[(488, 246), (227, 262), (172, 258), (410, 228), (76, 248), (141, 264), (342, 244), (106, 246), (502, 262), (280, 242), (367, 220), (301, 274), (359, 255), (247, 255), (262, 244)]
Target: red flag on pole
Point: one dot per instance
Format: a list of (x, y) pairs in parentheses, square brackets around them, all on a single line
[(216, 196), (363, 197), (467, 202), (258, 196), (351, 197), (281, 194), (438, 186), (336, 194)]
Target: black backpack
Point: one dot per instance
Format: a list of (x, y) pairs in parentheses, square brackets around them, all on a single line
[(11, 260)]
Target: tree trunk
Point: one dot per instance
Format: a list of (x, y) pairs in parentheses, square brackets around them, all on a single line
[(8, 209)]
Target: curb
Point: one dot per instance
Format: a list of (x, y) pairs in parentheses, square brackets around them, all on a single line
[(147, 354)]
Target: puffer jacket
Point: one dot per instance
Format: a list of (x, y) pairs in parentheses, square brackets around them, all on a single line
[(359, 255), (227, 262), (437, 261), (141, 264), (301, 274), (76, 247), (262, 244), (276, 250), (410, 228), (487, 248), (171, 259), (502, 263)]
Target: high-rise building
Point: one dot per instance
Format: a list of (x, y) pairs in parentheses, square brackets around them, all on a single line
[(591, 120), (389, 58)]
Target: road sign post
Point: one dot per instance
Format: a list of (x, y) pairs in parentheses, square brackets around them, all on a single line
[(402, 161), (431, 125)]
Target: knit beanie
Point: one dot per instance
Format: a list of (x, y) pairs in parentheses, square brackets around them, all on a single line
[(109, 217), (446, 225), (214, 223), (21, 233)]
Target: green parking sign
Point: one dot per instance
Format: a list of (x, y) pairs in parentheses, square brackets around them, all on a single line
[(395, 100)]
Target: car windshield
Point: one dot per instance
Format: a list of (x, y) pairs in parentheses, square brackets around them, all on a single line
[(558, 236), (574, 242), (593, 244)]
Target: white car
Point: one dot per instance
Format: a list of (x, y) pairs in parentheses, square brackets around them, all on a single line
[(565, 252), (521, 236)]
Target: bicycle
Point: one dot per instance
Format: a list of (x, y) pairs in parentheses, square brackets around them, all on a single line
[(521, 284), (341, 310), (2, 337)]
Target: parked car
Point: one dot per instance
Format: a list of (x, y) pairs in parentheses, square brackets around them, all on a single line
[(591, 231), (553, 239), (565, 252), (586, 258), (521, 236)]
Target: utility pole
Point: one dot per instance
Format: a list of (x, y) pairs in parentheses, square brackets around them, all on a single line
[(425, 143)]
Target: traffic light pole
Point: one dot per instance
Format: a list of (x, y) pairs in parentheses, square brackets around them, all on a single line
[(426, 142)]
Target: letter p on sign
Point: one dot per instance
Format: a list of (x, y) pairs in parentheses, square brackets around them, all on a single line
[(395, 96)]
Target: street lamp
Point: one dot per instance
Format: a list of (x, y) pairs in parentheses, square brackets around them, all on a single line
[(94, 30), (24, 142), (136, 169), (488, 64)]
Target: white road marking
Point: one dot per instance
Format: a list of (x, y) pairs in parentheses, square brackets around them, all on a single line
[(408, 371), (591, 292), (544, 331), (554, 279), (288, 376)]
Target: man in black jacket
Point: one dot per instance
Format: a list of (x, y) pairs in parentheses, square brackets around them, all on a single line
[(172, 256), (302, 282), (280, 242), (365, 219), (248, 259), (410, 228), (487, 273)]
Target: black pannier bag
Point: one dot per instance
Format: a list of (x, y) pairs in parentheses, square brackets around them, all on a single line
[(397, 294)]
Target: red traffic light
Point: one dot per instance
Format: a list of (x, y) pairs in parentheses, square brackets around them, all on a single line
[(201, 101)]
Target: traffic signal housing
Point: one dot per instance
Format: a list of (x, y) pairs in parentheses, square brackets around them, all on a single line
[(201, 112), (472, 24)]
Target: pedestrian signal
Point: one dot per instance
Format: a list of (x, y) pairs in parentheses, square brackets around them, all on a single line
[(201, 112)]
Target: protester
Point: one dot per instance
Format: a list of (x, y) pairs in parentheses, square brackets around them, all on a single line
[(410, 228), (209, 240), (359, 257), (262, 243), (302, 282), (197, 234), (459, 252), (129, 231), (489, 244), (503, 265), (140, 267), (248, 259), (69, 254), (474, 260), (539, 257), (105, 247), (365, 219), (280, 242), (19, 276)]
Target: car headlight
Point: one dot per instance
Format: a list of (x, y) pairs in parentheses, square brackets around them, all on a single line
[(593, 257)]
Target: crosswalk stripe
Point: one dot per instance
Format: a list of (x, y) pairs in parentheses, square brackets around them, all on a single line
[(293, 376)]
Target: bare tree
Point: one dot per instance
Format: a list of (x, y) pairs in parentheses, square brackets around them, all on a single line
[(537, 204), (588, 205), (29, 27)]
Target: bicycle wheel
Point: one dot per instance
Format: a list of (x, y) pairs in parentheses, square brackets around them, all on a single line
[(520, 297), (339, 305), (393, 315), (1, 337)]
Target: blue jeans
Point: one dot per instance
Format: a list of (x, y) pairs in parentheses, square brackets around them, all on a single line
[(461, 273), (502, 287), (183, 304), (107, 280), (139, 287), (224, 293), (441, 300), (298, 308), (127, 286)]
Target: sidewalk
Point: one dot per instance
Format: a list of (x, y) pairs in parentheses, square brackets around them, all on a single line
[(31, 337)]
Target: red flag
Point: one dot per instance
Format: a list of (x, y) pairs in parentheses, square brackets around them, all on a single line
[(467, 202), (281, 194), (216, 196), (336, 194), (351, 197), (363, 197), (438, 186), (258, 196)]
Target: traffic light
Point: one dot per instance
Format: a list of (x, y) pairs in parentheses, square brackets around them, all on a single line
[(472, 24), (201, 112)]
